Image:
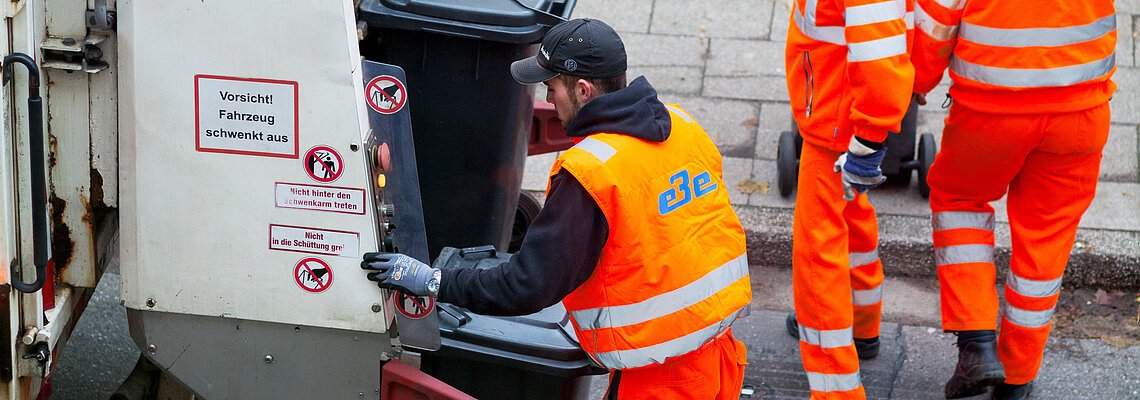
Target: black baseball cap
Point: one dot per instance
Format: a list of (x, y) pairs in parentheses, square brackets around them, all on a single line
[(580, 47)]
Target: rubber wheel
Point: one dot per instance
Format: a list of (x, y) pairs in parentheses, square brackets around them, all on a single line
[(927, 148), (787, 163), (528, 209)]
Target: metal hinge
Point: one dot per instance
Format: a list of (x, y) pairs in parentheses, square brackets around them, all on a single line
[(70, 54)]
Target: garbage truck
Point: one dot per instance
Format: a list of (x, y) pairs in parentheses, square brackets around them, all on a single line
[(234, 160)]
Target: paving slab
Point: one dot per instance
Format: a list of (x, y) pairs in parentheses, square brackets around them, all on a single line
[(764, 88), (730, 123), (622, 15), (671, 80), (747, 19), (665, 50), (1125, 51)]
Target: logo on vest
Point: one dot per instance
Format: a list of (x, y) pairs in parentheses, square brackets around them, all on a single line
[(682, 190)]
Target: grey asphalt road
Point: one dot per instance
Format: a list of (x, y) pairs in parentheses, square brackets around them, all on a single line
[(916, 358)]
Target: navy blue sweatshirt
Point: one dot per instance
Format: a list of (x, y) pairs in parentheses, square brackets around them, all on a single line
[(564, 243)]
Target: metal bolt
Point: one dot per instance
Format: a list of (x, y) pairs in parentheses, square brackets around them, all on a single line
[(150, 302), (375, 307), (68, 41), (354, 147), (385, 356), (151, 348), (268, 359), (361, 394)]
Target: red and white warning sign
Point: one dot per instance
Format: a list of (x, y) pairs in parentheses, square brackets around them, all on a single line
[(414, 307), (323, 164), (314, 240), (320, 198), (386, 94), (313, 275), (245, 116)]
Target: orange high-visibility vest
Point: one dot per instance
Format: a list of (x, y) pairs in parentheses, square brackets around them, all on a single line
[(673, 274), (1018, 56), (848, 70)]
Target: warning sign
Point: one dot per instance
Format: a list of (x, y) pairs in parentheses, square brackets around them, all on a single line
[(320, 198), (246, 116), (313, 275), (386, 94), (323, 164), (314, 241), (414, 307)]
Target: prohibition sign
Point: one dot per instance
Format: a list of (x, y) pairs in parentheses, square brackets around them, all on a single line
[(323, 164), (386, 94), (414, 307), (312, 275)]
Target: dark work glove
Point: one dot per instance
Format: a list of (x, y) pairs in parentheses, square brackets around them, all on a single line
[(401, 272), (859, 168)]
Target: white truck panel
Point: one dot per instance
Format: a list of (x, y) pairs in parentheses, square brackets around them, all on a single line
[(196, 220)]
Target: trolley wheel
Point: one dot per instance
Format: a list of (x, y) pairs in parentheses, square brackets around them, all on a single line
[(927, 148), (525, 213), (787, 163)]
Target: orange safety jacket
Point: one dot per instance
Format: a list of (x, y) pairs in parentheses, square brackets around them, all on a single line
[(848, 70), (1018, 56), (673, 274)]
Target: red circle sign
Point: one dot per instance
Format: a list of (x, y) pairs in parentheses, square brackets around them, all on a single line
[(414, 307), (312, 275), (386, 94), (323, 164)]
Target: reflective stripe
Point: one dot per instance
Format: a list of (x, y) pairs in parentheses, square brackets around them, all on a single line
[(872, 13), (598, 148), (680, 113), (1008, 77), (909, 17), (860, 259), (1050, 37), (805, 21), (833, 382), (951, 4), (966, 253), (867, 297), (1032, 288), (932, 27), (826, 339), (666, 303), (1026, 318), (658, 353), (947, 220), (877, 49)]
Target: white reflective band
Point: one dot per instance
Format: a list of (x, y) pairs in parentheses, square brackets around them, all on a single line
[(932, 27), (867, 297), (679, 112), (909, 17), (872, 13), (666, 303), (1026, 318), (658, 353), (966, 253), (877, 49), (951, 4), (947, 220), (860, 259), (833, 382), (1051, 77), (826, 339), (1032, 288), (805, 21), (1048, 37), (599, 149)]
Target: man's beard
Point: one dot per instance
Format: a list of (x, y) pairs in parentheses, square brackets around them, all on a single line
[(575, 107)]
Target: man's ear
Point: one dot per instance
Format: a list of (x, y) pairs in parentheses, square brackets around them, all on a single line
[(584, 90)]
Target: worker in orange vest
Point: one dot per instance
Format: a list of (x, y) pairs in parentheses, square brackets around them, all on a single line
[(849, 81), (637, 238), (1030, 116)]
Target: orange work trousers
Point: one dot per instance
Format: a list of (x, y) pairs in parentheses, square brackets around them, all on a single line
[(714, 371), (836, 275), (1049, 165)]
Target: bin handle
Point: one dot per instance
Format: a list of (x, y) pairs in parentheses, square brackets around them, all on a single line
[(546, 18), (42, 253)]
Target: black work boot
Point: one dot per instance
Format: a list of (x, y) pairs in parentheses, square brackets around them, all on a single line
[(978, 365), (865, 348), (1005, 391)]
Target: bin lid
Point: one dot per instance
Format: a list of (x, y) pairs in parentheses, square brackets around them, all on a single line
[(546, 334), (507, 21)]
